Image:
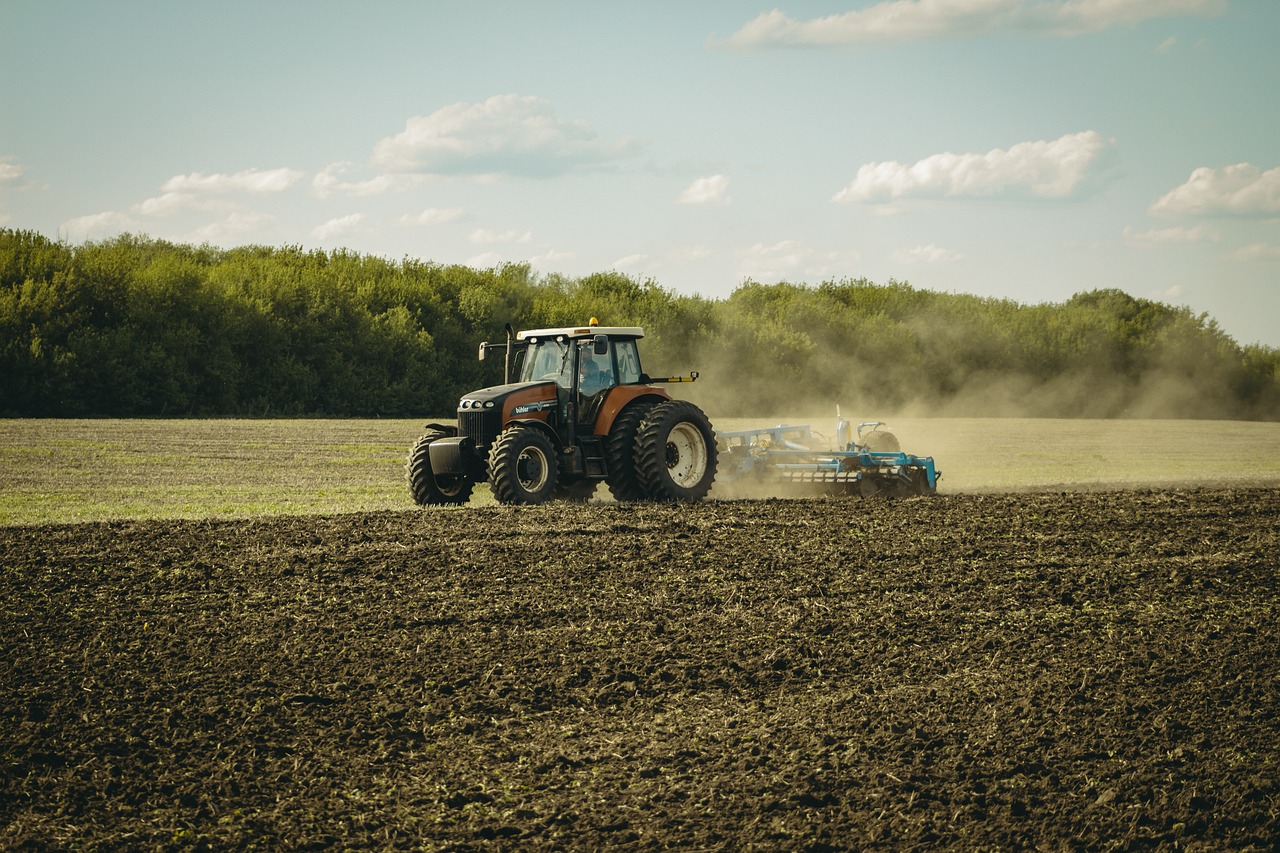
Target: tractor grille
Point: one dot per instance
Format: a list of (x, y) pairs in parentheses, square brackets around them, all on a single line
[(481, 427)]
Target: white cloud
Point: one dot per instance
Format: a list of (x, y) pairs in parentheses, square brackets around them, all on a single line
[(194, 192), (233, 228), (248, 180), (336, 227), (911, 20), (1156, 237), (1239, 190), (201, 192), (504, 135), (689, 254), (484, 261), (708, 190), (328, 182), (434, 216), (1167, 45), (165, 205), (929, 254), (791, 258), (630, 261), (1043, 169), (485, 237), (1257, 252), (1168, 294), (785, 255), (550, 257), (173, 203), (97, 225), (10, 173)]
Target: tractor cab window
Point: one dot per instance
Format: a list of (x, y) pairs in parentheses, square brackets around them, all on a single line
[(595, 370), (628, 362)]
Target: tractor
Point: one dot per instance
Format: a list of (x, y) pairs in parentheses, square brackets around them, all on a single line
[(576, 409)]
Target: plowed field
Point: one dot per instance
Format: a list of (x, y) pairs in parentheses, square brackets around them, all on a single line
[(1092, 670)]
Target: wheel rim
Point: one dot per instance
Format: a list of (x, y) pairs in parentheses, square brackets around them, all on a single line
[(531, 469), (686, 455), (450, 487)]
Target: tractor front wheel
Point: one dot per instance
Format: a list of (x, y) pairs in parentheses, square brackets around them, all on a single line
[(676, 452), (425, 487), (523, 466)]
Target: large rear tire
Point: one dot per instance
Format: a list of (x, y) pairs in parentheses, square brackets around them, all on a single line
[(620, 451), (425, 487), (676, 452), (522, 466)]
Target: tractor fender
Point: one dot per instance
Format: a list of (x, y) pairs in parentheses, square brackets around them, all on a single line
[(541, 425), (622, 396)]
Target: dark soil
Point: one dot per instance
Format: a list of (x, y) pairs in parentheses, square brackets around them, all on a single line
[(1067, 671)]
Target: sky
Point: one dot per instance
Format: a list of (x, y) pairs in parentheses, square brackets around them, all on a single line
[(1016, 149)]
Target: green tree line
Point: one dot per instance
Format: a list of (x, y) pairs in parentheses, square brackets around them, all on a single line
[(137, 327)]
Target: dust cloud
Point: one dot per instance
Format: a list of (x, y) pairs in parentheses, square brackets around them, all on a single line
[(1170, 384)]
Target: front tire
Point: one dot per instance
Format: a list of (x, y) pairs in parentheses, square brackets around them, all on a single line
[(676, 452), (425, 487), (522, 466)]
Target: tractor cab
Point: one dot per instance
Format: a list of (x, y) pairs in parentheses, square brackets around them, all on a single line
[(584, 363)]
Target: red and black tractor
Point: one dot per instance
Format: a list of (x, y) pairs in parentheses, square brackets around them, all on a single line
[(576, 409)]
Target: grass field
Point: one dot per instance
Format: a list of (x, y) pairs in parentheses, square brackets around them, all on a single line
[(90, 470)]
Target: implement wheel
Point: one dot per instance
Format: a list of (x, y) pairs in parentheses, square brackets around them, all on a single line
[(523, 466), (676, 452), (882, 441), (425, 487)]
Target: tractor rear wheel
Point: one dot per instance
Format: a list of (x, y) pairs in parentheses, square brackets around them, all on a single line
[(676, 452), (620, 452), (523, 466), (425, 487), (882, 441)]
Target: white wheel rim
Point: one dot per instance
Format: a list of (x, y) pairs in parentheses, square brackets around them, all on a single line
[(686, 455)]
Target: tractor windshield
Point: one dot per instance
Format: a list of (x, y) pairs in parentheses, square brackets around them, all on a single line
[(547, 360)]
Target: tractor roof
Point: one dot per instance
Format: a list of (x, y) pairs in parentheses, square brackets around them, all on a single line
[(585, 331)]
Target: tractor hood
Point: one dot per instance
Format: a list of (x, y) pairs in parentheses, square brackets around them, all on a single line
[(519, 399)]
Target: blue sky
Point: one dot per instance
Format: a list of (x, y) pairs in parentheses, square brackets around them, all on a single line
[(1023, 149)]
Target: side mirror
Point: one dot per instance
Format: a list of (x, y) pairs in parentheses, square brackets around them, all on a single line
[(600, 345)]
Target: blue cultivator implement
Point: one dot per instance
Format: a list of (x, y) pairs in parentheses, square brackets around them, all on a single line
[(867, 463)]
